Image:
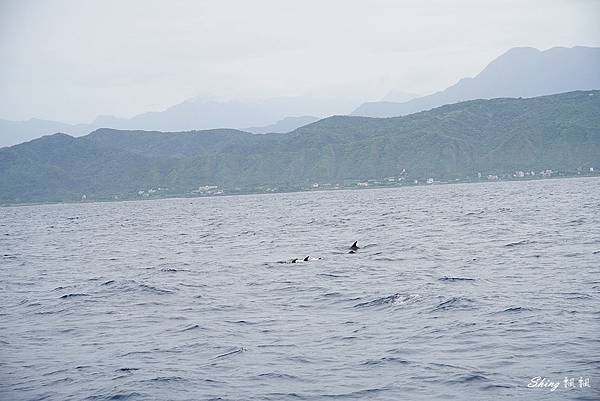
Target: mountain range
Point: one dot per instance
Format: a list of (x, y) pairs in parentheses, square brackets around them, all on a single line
[(560, 132), (282, 126), (520, 72), (282, 114), (194, 114)]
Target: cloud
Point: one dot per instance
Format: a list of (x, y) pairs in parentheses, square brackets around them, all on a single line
[(73, 60)]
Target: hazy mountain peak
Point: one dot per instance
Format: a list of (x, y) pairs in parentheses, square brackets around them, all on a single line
[(396, 95), (519, 72), (520, 50), (284, 125)]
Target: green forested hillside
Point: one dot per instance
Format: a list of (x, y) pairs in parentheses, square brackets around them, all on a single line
[(560, 132)]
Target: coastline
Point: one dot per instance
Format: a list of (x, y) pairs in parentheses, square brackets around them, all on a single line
[(304, 190)]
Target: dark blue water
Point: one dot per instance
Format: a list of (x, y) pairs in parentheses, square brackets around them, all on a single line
[(462, 292)]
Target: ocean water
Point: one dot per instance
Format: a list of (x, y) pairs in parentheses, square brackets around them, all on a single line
[(463, 292)]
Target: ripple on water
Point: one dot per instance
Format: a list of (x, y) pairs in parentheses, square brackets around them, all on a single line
[(118, 396), (463, 291), (394, 299), (454, 303), (455, 279), (234, 351), (73, 295), (516, 309)]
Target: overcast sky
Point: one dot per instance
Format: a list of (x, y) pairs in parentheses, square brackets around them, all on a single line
[(73, 60)]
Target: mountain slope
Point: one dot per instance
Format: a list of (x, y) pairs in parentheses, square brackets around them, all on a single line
[(59, 167), (560, 132), (171, 144), (266, 115), (520, 72), (15, 132), (282, 126), (200, 114)]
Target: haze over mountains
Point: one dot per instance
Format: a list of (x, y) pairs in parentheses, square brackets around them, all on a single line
[(14, 132), (287, 124), (281, 114), (534, 121), (520, 72), (560, 132), (207, 114)]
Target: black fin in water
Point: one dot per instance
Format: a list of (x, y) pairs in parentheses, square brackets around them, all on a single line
[(294, 260), (354, 247), (306, 259)]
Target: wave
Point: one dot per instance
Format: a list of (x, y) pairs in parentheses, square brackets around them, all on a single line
[(394, 299), (240, 322), (445, 278), (467, 378), (384, 360), (576, 295), (74, 295), (166, 379), (133, 285), (361, 394), (156, 290), (192, 327), (124, 396), (578, 221), (454, 303), (330, 275), (518, 243), (116, 397), (232, 352), (516, 309), (273, 375), (128, 370)]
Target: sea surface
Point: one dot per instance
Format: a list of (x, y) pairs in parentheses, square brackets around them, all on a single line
[(458, 292)]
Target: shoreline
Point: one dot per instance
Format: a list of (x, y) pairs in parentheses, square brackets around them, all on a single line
[(311, 190)]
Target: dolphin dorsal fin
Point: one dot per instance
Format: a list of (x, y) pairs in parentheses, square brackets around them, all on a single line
[(306, 259), (354, 245)]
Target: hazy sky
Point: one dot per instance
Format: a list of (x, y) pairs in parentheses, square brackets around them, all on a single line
[(74, 60)]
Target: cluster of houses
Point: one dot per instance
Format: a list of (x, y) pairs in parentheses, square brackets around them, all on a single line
[(401, 179), (208, 190), (152, 191), (519, 174)]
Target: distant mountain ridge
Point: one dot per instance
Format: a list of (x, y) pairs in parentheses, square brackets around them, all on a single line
[(15, 132), (520, 72), (198, 114), (267, 115), (287, 124), (559, 132)]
